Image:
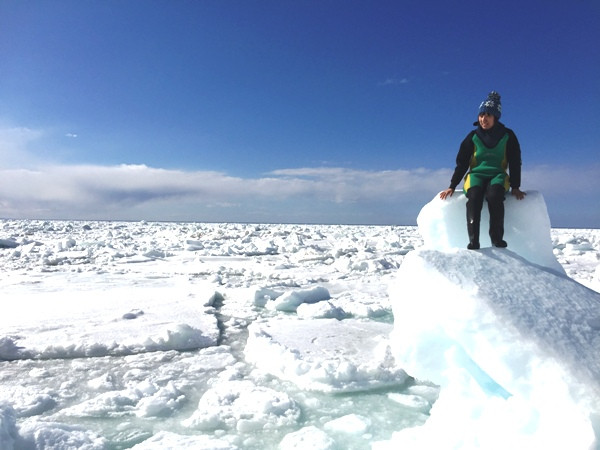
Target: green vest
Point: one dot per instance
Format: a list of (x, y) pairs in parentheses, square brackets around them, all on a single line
[(488, 165)]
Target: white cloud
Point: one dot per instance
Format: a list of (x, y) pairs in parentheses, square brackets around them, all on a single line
[(103, 192), (564, 180), (30, 188), (393, 81), (302, 195), (342, 185)]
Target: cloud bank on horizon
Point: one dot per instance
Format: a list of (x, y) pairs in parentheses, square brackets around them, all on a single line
[(34, 187)]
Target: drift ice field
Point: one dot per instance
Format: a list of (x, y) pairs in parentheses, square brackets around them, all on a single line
[(142, 335)]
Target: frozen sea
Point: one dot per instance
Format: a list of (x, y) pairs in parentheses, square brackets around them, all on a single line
[(148, 335)]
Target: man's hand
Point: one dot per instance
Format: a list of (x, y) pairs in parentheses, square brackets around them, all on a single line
[(447, 193), (518, 193)]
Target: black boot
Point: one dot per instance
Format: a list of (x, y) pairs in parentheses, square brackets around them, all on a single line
[(473, 245), (473, 230), (495, 199)]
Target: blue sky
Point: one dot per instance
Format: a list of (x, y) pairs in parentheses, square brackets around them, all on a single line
[(277, 111)]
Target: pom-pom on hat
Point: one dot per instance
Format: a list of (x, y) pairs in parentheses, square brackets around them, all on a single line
[(491, 105)]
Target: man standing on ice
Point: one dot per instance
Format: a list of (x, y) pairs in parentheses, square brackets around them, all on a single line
[(486, 153)]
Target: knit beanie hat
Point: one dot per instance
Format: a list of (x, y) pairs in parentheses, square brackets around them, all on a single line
[(491, 105)]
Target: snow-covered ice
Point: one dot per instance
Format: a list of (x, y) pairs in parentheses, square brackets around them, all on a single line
[(242, 336), (328, 354), (526, 227)]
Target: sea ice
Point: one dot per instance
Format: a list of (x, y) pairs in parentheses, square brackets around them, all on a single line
[(504, 338), (241, 405), (63, 325), (292, 299), (309, 437), (165, 440), (326, 354), (442, 223), (169, 335)]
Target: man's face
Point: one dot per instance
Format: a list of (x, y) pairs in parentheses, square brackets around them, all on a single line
[(486, 120)]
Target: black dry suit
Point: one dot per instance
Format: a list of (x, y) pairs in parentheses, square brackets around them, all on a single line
[(485, 155)]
